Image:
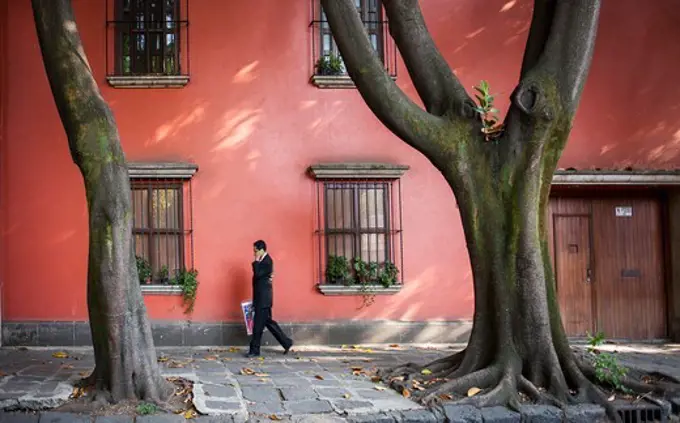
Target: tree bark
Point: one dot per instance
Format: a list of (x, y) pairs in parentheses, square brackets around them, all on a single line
[(126, 366)]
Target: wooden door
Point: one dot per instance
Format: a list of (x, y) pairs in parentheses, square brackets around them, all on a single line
[(573, 273), (631, 298)]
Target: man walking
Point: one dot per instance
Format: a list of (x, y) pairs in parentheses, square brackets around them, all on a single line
[(263, 268)]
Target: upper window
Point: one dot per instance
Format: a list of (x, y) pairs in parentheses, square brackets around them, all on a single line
[(359, 218), (149, 39), (328, 63)]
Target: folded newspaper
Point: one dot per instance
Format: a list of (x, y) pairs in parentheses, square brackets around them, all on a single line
[(247, 308)]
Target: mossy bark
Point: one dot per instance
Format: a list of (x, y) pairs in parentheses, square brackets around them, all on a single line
[(126, 366)]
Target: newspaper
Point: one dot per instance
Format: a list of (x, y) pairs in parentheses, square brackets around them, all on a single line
[(248, 315)]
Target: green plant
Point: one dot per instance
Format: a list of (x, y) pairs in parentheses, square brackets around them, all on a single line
[(387, 276), (164, 274), (143, 269), (366, 273), (330, 64), (607, 368), (146, 408), (187, 280), (338, 270), (487, 113)]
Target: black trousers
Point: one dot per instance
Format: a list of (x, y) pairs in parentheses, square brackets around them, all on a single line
[(263, 319)]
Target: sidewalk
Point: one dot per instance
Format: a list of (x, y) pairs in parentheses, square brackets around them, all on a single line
[(313, 384)]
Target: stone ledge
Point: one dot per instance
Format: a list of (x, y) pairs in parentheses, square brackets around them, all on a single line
[(357, 170), (183, 333), (150, 170), (148, 81), (334, 81), (161, 290), (340, 290)]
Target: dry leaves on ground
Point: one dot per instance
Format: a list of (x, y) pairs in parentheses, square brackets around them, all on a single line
[(473, 391), (247, 371), (406, 393), (274, 417), (319, 377), (163, 359), (60, 354)]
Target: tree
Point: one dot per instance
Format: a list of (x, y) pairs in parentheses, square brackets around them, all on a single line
[(500, 176), (125, 358)]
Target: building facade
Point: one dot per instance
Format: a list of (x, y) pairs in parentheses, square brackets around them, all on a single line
[(239, 124)]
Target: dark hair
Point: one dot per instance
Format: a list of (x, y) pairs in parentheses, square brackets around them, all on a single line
[(260, 245)]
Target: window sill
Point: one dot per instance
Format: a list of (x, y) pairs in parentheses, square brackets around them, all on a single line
[(151, 81), (338, 290), (334, 81), (161, 289)]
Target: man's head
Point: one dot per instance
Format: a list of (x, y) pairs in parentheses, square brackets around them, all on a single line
[(259, 248)]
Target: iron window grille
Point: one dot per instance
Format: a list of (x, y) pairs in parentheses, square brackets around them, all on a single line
[(163, 226), (359, 219), (324, 46), (147, 37)]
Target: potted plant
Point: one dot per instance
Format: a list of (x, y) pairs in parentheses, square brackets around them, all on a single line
[(366, 273), (337, 270), (143, 270), (330, 64), (387, 276), (164, 275), (187, 280)]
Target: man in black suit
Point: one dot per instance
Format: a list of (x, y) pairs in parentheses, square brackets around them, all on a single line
[(263, 268)]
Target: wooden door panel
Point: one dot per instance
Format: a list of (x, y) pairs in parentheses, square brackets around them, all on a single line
[(572, 263), (629, 281)]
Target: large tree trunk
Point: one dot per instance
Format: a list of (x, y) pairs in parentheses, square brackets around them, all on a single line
[(501, 185), (126, 366)]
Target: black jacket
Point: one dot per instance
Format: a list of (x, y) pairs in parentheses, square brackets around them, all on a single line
[(262, 283)]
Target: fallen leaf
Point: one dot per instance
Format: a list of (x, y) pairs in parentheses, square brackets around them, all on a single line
[(60, 354), (163, 359), (67, 366), (346, 396), (398, 379), (446, 397), (248, 372), (379, 388), (357, 369), (189, 414), (211, 357), (406, 393), (426, 372), (77, 392), (612, 398), (218, 350), (473, 391), (233, 349), (319, 377), (176, 365), (394, 346), (261, 375), (274, 417), (84, 374), (261, 358)]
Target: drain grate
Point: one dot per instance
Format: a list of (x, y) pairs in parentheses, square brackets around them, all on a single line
[(641, 412)]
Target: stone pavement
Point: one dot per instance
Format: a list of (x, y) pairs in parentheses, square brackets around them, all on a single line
[(314, 384)]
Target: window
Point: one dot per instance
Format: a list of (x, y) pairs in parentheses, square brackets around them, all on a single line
[(162, 220), (329, 69), (147, 43), (359, 226)]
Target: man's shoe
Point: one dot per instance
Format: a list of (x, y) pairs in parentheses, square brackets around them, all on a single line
[(252, 355), (285, 350)]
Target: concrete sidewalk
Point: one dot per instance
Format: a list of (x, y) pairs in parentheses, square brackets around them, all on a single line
[(312, 384)]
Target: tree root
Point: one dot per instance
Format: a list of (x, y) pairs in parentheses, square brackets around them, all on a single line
[(437, 369)]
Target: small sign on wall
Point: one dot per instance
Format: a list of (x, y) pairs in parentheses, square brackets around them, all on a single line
[(624, 211)]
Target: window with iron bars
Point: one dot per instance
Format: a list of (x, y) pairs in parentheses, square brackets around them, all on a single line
[(161, 228), (360, 224), (327, 59), (147, 37)]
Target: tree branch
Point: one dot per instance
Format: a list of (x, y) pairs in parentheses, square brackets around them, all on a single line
[(387, 101), (541, 22), (437, 86)]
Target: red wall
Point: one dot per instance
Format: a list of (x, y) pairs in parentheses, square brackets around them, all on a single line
[(253, 124)]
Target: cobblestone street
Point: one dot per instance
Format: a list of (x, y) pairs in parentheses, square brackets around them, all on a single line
[(311, 385)]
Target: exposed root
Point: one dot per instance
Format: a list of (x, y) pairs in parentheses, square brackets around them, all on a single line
[(481, 379), (437, 369), (528, 388)]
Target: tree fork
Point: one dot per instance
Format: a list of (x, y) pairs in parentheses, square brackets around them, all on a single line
[(125, 359)]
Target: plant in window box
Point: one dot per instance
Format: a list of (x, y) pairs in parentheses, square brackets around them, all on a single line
[(388, 274), (187, 280), (164, 275), (338, 270), (366, 273), (330, 64), (143, 270)]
